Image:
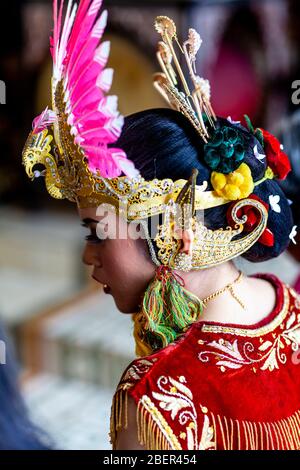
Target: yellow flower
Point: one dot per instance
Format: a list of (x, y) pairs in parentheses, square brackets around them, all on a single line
[(236, 185)]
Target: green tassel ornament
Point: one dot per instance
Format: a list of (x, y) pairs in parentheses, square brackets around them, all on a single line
[(168, 309)]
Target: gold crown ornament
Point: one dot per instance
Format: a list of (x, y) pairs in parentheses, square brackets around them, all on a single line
[(73, 140), (209, 247)]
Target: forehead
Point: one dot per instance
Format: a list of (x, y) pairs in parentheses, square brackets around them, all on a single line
[(99, 213), (87, 213)]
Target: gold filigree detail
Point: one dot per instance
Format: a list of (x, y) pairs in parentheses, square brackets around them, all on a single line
[(253, 332), (269, 354), (119, 408), (37, 151), (146, 405), (138, 369), (218, 431), (210, 247), (68, 175), (66, 171), (174, 403), (175, 397)]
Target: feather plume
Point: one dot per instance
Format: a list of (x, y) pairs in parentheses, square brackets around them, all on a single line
[(79, 61)]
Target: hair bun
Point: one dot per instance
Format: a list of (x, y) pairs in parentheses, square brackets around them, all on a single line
[(162, 143), (280, 222)]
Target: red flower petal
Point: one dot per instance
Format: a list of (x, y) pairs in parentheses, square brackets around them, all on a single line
[(266, 238), (277, 159), (252, 219)]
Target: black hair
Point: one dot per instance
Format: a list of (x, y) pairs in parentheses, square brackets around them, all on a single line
[(162, 143)]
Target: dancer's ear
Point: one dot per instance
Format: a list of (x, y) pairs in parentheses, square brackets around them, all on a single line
[(187, 240)]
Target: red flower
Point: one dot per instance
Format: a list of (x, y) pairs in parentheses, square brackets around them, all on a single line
[(253, 217), (277, 159)]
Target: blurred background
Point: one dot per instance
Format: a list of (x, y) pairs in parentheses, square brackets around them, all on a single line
[(71, 342)]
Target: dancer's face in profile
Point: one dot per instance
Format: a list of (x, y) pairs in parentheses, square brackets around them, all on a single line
[(118, 255)]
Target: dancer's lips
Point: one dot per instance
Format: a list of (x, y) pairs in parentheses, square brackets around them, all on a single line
[(106, 287)]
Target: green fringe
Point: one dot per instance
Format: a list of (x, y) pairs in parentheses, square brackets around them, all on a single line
[(169, 309)]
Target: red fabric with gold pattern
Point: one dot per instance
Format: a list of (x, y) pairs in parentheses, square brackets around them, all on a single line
[(221, 386)]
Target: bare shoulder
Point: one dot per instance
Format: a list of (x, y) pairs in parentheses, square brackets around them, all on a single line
[(263, 294), (263, 287), (127, 438)]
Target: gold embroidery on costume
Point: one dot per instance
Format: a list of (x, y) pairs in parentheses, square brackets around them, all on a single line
[(208, 433), (254, 333), (268, 355), (296, 298), (138, 369), (155, 430), (178, 400), (119, 408)]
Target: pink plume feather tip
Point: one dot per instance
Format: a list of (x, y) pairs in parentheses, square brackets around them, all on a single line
[(79, 59), (43, 120)]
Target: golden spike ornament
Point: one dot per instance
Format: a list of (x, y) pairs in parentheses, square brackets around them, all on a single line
[(172, 84)]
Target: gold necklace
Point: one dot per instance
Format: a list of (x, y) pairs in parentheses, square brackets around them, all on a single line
[(229, 287)]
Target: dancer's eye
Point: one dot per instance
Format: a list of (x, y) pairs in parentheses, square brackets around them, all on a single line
[(93, 238)]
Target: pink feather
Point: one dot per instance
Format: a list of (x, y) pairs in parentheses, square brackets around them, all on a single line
[(90, 71), (79, 59), (43, 120)]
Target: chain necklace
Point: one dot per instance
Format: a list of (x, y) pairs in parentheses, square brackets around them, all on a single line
[(229, 287)]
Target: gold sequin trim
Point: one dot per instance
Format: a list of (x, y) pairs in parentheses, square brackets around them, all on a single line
[(253, 333), (155, 433)]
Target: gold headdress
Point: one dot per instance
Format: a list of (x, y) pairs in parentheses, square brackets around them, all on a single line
[(71, 140), (191, 104)]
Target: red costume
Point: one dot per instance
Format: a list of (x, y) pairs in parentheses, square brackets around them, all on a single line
[(207, 385), (220, 386)]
